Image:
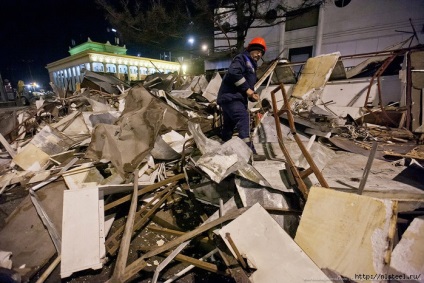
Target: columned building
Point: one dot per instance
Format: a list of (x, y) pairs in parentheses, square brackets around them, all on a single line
[(104, 58)]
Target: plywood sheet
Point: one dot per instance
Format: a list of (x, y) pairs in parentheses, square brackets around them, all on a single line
[(315, 75), (270, 249), (345, 232), (31, 158)]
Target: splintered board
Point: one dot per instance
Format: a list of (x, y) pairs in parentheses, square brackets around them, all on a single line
[(348, 233)]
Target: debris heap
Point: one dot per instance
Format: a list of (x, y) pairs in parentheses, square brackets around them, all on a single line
[(119, 183)]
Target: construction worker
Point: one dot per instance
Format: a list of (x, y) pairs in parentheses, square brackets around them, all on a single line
[(237, 88)]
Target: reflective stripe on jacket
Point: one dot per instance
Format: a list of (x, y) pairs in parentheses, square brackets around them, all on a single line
[(241, 76)]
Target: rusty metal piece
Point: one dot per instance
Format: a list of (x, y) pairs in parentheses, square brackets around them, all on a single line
[(377, 76), (297, 176)]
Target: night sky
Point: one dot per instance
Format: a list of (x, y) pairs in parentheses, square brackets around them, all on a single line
[(34, 33)]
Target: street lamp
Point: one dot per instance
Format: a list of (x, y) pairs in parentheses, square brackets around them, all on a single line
[(191, 42), (205, 48)]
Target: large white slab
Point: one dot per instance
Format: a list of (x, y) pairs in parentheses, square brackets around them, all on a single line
[(83, 233), (270, 249)]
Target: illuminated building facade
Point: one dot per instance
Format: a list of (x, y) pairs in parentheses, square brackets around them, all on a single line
[(104, 58)]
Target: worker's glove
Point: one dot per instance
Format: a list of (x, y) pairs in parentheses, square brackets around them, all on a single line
[(253, 97)]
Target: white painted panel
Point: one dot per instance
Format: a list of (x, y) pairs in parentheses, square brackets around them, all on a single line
[(81, 234), (270, 249)]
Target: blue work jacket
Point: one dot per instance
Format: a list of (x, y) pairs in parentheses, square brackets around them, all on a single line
[(241, 76)]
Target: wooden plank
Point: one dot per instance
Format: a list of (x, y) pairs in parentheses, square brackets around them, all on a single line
[(345, 232), (7, 146), (140, 263), (199, 263), (239, 275), (141, 218), (145, 190), (121, 261)]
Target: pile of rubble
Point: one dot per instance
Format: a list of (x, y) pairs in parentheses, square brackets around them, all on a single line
[(123, 183)]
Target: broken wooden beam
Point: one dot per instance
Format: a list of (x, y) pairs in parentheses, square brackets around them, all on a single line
[(140, 263), (145, 190), (7, 146), (112, 243), (121, 261)]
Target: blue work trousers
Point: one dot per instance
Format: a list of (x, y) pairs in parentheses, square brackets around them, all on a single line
[(236, 117)]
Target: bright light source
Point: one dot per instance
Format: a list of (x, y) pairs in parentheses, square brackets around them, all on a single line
[(204, 47), (184, 68), (191, 40), (114, 30)]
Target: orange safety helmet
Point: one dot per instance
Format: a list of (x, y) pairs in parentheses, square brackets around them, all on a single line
[(258, 43)]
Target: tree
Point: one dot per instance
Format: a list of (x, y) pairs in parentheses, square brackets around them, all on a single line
[(234, 18), (158, 22), (161, 22)]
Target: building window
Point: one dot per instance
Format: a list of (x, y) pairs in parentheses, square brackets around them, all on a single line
[(300, 54), (341, 3), (302, 18), (143, 71), (111, 68), (123, 69), (98, 67)]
